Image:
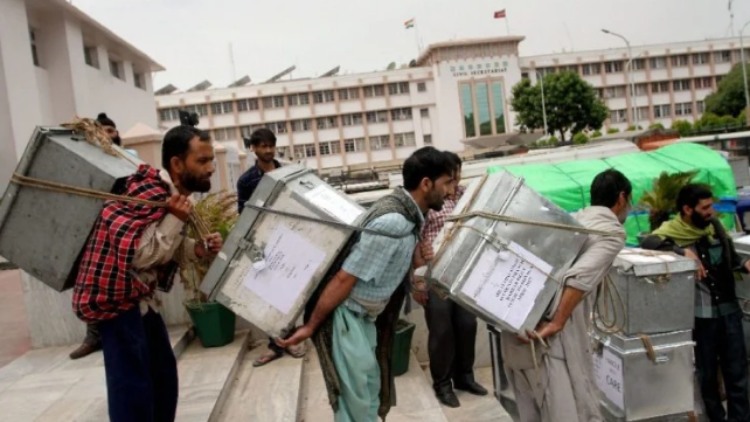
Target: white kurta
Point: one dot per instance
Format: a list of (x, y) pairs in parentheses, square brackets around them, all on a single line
[(563, 387)]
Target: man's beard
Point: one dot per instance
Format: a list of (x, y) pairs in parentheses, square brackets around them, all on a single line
[(117, 141), (195, 184), (435, 202), (698, 220)]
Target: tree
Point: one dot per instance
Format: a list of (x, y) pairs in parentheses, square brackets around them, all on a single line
[(729, 98), (580, 138), (656, 126), (571, 104), (683, 127), (612, 130)]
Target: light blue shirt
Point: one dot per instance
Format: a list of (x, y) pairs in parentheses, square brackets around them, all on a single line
[(379, 263)]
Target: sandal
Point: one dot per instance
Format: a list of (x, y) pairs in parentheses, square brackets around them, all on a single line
[(297, 351), (269, 356)]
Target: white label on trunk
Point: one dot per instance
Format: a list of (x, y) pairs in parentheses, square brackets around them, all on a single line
[(609, 379)]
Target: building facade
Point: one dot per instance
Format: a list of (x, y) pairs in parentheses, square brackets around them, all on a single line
[(57, 63), (455, 93)]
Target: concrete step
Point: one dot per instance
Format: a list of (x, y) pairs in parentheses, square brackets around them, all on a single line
[(477, 408), (268, 393), (45, 385), (206, 376)]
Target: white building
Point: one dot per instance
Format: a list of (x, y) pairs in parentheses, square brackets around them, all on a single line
[(57, 63), (457, 94)]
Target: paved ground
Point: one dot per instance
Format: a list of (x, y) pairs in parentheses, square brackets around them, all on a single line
[(13, 323)]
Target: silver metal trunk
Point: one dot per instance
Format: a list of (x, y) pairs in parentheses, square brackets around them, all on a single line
[(44, 232), (271, 264), (506, 273), (657, 291), (742, 287), (637, 388)]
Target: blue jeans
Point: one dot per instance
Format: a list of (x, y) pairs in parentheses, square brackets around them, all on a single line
[(720, 343), (141, 368)]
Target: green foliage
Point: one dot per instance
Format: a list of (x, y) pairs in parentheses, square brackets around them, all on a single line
[(660, 201), (683, 127), (596, 134), (580, 138), (571, 104), (612, 130), (656, 126), (729, 98)]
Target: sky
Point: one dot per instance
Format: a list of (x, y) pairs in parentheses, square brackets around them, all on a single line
[(192, 38)]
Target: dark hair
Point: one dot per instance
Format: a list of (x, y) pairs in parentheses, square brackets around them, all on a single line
[(454, 159), (607, 186), (264, 135), (177, 142), (425, 162), (691, 194), (105, 121)]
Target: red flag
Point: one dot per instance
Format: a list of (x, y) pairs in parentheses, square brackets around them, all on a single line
[(500, 14)]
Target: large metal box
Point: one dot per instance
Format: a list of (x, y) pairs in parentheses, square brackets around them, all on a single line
[(636, 387), (657, 291), (506, 273), (44, 232), (742, 287), (271, 264)]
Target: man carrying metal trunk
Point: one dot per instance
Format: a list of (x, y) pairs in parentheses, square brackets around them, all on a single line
[(557, 383)]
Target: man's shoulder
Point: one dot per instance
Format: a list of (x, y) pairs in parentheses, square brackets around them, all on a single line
[(391, 222), (249, 175)]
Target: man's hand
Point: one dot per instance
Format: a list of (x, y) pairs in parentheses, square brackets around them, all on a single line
[(701, 273), (211, 245), (423, 254), (421, 296), (544, 330), (301, 334), (747, 265), (179, 206)]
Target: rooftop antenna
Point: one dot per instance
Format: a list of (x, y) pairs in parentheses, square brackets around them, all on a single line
[(231, 62)]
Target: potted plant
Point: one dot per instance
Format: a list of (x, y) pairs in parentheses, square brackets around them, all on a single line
[(214, 323), (660, 201)]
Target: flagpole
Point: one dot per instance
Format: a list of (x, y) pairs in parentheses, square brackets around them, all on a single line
[(416, 39), (507, 28)]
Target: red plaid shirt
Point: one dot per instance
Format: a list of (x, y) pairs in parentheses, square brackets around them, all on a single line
[(436, 219), (107, 284)]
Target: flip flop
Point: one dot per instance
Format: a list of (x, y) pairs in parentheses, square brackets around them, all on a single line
[(267, 357), (297, 351)]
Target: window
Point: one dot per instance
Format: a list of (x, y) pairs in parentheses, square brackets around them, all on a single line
[(658, 62), (658, 87), (277, 127), (323, 96), (421, 87), (335, 147), (324, 148), (354, 145), (424, 113), (700, 107), (591, 69), (614, 91), (641, 89), (348, 94), (277, 101), (404, 139), (483, 109), (201, 109), (680, 61), (298, 99), (639, 64), (138, 80), (718, 79), (700, 58), (301, 125), (723, 56), (617, 116), (267, 102), (683, 109), (401, 114), (398, 88), (377, 116), (327, 122), (374, 91), (91, 56), (613, 67), (115, 68), (343, 94), (310, 150), (221, 108), (224, 134), (662, 111), (427, 139), (34, 50), (702, 83), (498, 102), (299, 152), (168, 114), (467, 107), (247, 104), (380, 142), (642, 113), (681, 85)]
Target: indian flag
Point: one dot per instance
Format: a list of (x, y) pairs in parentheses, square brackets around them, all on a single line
[(409, 24)]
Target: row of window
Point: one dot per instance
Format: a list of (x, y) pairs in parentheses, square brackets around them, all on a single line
[(302, 125), (659, 87), (483, 108), (380, 142), (660, 62), (299, 99), (661, 111)]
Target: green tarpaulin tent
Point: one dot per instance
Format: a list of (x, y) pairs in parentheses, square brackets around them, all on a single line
[(567, 184)]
